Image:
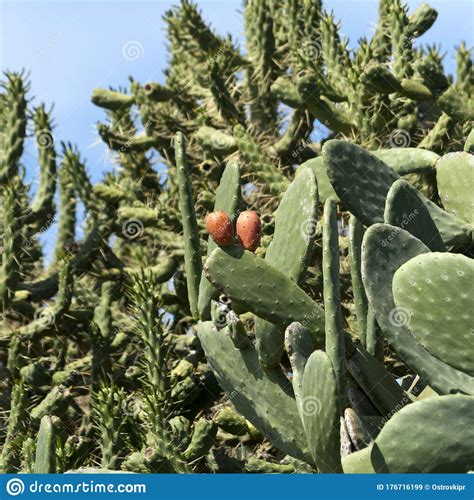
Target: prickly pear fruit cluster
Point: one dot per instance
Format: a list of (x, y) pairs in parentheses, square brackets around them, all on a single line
[(248, 229)]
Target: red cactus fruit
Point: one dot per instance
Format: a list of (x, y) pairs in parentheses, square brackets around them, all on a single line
[(219, 226), (249, 230)]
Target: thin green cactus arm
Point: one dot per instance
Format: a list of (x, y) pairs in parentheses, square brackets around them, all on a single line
[(42, 206), (146, 309), (14, 133), (47, 316), (335, 345), (111, 100), (45, 459), (9, 456), (108, 407), (10, 267), (67, 210), (82, 183), (192, 255)]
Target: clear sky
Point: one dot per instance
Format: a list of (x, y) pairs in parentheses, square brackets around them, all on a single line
[(71, 47)]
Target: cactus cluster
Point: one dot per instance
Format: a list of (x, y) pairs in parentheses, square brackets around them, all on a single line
[(324, 325)]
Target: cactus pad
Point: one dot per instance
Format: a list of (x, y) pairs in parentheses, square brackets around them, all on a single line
[(454, 176), (385, 249), (320, 412), (436, 289), (404, 208), (264, 290)]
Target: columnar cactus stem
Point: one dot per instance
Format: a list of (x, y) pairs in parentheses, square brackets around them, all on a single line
[(193, 266), (10, 277), (335, 345), (42, 206), (14, 123)]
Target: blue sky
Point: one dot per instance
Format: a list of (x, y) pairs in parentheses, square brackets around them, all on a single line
[(71, 47)]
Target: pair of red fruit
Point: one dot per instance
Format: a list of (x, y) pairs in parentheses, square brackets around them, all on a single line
[(219, 225)]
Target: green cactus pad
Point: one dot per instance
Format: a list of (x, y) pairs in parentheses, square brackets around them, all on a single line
[(325, 189), (419, 438), (320, 412), (265, 398), (358, 462), (289, 251), (454, 176), (437, 291), (385, 249), (407, 160), (227, 200), (362, 182), (359, 178), (404, 208), (264, 290)]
